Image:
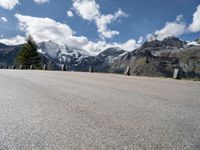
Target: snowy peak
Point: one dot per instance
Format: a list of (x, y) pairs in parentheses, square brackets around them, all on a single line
[(50, 48), (62, 54), (198, 40), (194, 43), (169, 42), (111, 53)]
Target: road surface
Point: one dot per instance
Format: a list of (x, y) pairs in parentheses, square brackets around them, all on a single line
[(43, 110)]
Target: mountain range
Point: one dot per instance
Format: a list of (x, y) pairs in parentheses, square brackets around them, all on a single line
[(153, 58)]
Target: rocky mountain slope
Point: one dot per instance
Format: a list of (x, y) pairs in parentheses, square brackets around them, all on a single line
[(153, 58), (61, 54), (8, 54), (198, 41), (160, 58), (75, 59)]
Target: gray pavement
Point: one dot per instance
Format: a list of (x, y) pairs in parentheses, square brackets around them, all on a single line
[(45, 110)]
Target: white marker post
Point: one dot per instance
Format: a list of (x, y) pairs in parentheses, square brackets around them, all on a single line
[(91, 69), (64, 67), (13, 67), (176, 72), (127, 72), (45, 67), (31, 67)]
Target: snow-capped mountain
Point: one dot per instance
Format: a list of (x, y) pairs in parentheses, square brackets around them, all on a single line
[(111, 53), (198, 41), (159, 58), (153, 58), (194, 43), (8, 53), (62, 54), (77, 59)]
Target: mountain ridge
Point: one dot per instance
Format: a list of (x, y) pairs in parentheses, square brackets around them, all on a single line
[(153, 58)]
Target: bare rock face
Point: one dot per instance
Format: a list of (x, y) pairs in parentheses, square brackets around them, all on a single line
[(111, 53), (167, 43), (198, 41), (153, 58), (160, 58), (8, 53)]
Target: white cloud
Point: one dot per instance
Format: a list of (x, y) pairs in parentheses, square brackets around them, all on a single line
[(90, 10), (8, 4), (70, 13), (195, 25), (103, 20), (14, 40), (4, 19), (87, 9), (150, 37), (176, 28), (141, 39), (45, 29), (170, 29), (41, 1), (102, 45), (129, 45)]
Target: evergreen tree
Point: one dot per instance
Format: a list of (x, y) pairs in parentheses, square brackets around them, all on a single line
[(29, 55)]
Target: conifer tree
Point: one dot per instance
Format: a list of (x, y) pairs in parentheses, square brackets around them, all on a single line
[(29, 55)]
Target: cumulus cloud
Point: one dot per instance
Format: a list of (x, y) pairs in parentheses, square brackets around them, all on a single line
[(14, 40), (128, 45), (4, 19), (150, 37), (175, 28), (103, 20), (41, 1), (195, 25), (45, 29), (8, 4), (141, 39), (70, 13), (87, 9), (90, 10), (96, 47)]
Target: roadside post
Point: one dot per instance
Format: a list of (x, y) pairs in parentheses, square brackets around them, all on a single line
[(91, 69), (13, 67), (45, 67), (31, 67), (176, 73), (63, 67), (127, 72)]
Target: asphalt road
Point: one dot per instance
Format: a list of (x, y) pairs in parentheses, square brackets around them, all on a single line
[(64, 110)]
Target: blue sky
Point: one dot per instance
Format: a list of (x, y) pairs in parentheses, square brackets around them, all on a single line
[(97, 24)]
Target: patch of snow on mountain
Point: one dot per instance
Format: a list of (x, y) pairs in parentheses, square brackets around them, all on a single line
[(63, 54), (193, 43)]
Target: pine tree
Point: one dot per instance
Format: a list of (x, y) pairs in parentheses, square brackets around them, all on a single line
[(29, 55)]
